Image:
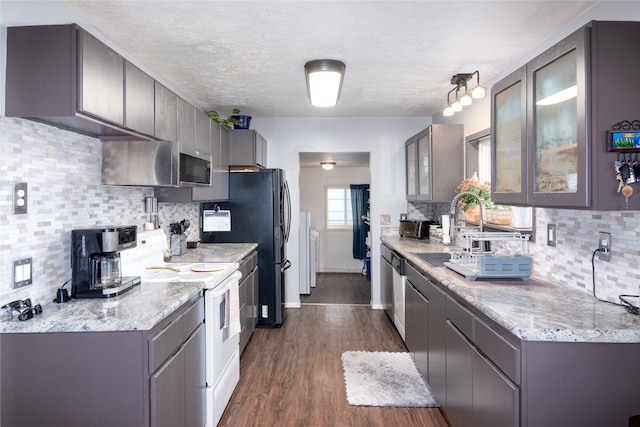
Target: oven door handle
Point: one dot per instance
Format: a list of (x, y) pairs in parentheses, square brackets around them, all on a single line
[(221, 290)]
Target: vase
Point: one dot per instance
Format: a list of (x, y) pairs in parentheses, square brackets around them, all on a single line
[(473, 214), (245, 122)]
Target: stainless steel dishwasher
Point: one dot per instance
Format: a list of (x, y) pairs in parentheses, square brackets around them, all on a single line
[(386, 281)]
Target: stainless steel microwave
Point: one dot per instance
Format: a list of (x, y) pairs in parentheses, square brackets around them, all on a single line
[(154, 163)]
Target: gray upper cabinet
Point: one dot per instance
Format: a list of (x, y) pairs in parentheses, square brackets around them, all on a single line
[(166, 117), (219, 149), (139, 108), (62, 75), (439, 163), (202, 140), (555, 113), (247, 148), (101, 80), (186, 123)]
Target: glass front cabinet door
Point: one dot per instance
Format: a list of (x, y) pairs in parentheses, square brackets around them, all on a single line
[(411, 149), (557, 134), (424, 167), (509, 138)]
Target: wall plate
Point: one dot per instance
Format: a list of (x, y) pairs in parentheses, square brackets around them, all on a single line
[(551, 235)]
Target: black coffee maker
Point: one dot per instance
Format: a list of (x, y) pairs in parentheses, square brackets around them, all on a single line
[(95, 261)]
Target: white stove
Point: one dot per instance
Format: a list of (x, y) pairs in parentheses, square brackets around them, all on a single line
[(221, 305)]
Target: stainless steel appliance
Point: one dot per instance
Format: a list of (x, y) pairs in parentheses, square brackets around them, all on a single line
[(154, 163), (95, 261), (260, 212), (416, 228)]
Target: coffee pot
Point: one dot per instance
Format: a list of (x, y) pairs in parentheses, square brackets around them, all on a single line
[(105, 270)]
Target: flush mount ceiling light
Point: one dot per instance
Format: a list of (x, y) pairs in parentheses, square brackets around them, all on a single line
[(460, 80), (324, 81), (327, 165)]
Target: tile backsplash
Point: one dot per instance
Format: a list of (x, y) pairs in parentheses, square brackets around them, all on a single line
[(63, 172), (569, 262)]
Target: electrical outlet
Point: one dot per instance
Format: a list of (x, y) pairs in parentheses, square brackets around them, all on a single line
[(19, 198), (604, 246), (22, 273), (551, 235)]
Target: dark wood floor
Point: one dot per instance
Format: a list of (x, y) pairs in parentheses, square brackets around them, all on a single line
[(339, 288), (292, 376)]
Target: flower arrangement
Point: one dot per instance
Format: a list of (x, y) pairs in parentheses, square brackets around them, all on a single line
[(472, 185)]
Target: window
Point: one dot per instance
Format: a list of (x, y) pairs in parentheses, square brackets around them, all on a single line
[(484, 159), (339, 208)]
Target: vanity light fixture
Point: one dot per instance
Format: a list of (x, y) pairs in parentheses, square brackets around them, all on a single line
[(460, 80), (327, 165), (324, 81)]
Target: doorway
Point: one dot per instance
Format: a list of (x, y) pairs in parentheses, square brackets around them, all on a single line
[(335, 264)]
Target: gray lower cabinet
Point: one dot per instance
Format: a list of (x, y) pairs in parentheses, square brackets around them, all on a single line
[(496, 400), (437, 341), (247, 148), (459, 403), (479, 394), (416, 327), (104, 379), (484, 376), (248, 298), (177, 388)]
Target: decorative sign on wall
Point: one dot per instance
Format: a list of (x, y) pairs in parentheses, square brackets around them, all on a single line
[(624, 137)]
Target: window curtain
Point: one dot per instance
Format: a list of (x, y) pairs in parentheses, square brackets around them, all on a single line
[(359, 208)]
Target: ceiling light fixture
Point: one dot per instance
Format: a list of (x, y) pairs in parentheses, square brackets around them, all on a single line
[(327, 165), (460, 80), (324, 81)]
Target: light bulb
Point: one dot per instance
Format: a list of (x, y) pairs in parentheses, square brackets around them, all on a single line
[(466, 99), (479, 92), (456, 106), (448, 111)]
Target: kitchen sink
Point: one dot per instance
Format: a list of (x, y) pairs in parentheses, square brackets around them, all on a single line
[(436, 259)]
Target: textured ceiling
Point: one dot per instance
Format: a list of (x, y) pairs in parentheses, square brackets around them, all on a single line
[(400, 55)]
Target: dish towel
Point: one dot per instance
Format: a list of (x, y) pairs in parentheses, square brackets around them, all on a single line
[(232, 309)]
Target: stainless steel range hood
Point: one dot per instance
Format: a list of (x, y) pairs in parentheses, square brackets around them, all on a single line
[(140, 163), (143, 163)]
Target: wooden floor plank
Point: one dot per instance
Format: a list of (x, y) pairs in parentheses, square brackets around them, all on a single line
[(339, 288), (292, 376)]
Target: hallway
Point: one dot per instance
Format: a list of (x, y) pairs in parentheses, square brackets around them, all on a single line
[(292, 376), (340, 288)]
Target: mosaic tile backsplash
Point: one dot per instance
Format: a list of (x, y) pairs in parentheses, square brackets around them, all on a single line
[(569, 262), (63, 173)]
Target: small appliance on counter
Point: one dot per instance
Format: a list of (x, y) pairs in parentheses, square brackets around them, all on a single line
[(416, 228), (178, 240), (95, 261)]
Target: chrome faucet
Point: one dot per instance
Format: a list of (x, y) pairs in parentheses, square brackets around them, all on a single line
[(453, 213)]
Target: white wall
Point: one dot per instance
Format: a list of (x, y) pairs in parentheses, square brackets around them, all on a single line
[(336, 253), (383, 137)]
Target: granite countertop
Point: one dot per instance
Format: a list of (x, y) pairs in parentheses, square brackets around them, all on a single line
[(532, 310), (140, 308)]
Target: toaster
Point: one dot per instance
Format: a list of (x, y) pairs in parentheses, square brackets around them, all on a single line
[(416, 228)]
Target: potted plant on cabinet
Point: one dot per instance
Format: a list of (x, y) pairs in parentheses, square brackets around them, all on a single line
[(234, 121), (469, 204)]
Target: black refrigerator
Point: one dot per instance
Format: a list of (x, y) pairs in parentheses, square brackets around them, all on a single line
[(258, 211)]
